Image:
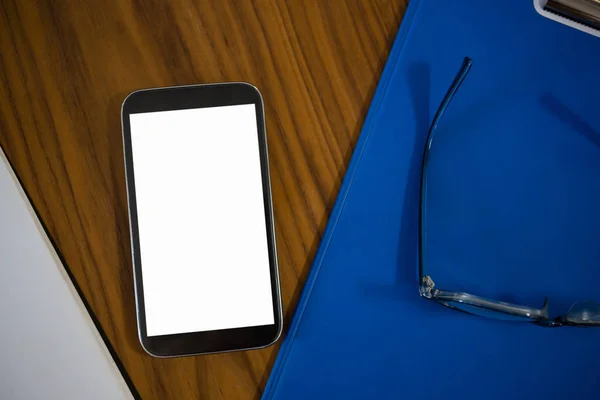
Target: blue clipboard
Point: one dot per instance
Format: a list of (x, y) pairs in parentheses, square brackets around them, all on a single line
[(515, 216)]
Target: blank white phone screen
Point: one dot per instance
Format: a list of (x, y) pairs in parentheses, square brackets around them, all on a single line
[(201, 219)]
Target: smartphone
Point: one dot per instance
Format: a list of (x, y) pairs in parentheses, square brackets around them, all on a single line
[(201, 219)]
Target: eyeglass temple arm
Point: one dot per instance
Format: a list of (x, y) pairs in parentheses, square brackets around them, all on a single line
[(497, 306), (427, 289), (458, 80)]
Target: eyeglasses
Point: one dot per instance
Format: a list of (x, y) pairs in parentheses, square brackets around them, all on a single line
[(585, 313)]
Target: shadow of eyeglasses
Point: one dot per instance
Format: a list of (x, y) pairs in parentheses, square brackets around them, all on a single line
[(558, 109)]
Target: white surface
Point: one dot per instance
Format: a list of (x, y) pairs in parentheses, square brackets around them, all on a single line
[(49, 346), (202, 228), (539, 7)]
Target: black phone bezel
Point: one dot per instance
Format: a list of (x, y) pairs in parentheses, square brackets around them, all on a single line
[(189, 97)]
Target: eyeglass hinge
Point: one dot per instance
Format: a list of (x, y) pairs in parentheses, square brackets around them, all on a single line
[(427, 287)]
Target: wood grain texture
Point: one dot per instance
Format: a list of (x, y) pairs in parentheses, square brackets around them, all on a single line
[(65, 68)]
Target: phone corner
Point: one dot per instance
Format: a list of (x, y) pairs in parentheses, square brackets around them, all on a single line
[(253, 88), (128, 99), (277, 335), (147, 348), (278, 332)]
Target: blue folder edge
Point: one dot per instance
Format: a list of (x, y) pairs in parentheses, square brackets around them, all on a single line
[(380, 94)]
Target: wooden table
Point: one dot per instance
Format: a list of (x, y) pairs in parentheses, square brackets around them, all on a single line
[(65, 68)]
